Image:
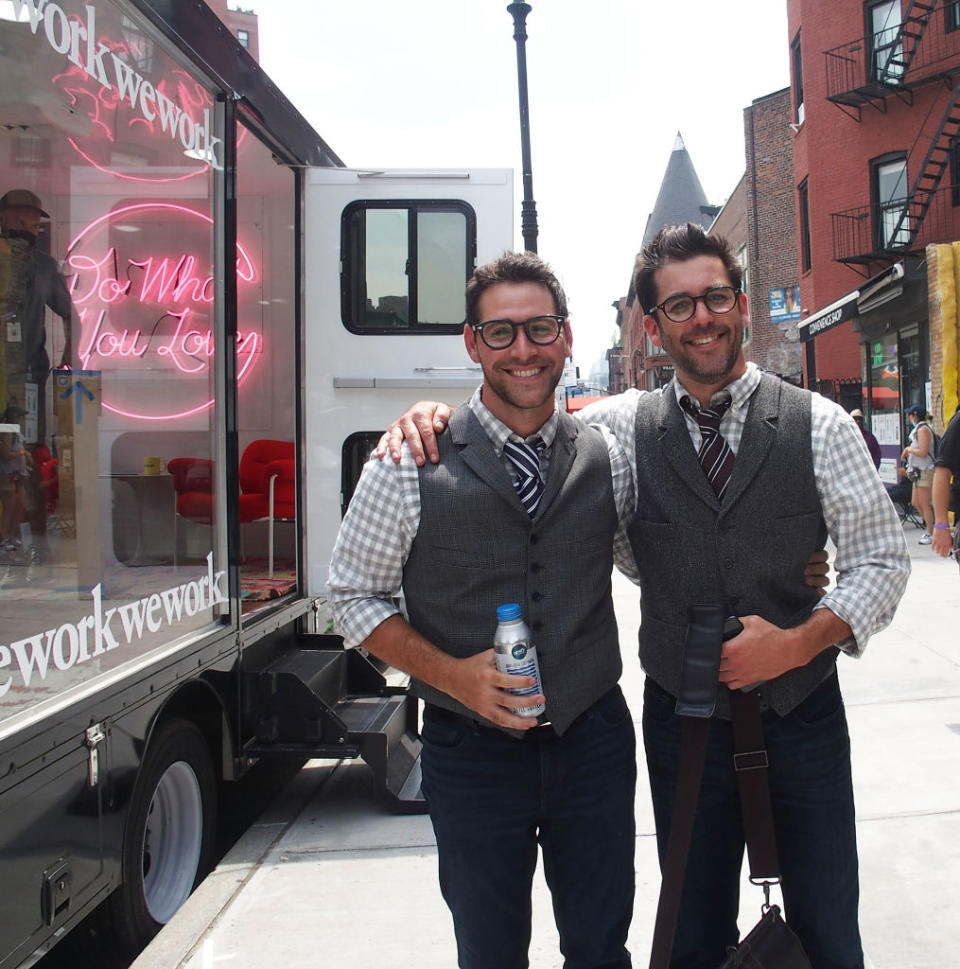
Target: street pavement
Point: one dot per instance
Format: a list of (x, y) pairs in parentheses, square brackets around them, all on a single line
[(327, 878)]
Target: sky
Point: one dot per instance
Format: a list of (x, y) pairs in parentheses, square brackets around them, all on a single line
[(433, 84)]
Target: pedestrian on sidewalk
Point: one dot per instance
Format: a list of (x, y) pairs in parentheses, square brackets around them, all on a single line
[(946, 496), (873, 445), (919, 455)]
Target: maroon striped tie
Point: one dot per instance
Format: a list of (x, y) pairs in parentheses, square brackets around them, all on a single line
[(715, 455)]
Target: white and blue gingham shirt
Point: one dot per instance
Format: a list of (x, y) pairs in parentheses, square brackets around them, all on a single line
[(366, 570), (872, 563)]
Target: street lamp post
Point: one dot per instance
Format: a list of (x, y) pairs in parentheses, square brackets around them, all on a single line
[(528, 211)]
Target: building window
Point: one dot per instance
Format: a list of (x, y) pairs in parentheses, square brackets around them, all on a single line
[(244, 37), (891, 222), (797, 61), (953, 15), (804, 204), (405, 265), (886, 41)]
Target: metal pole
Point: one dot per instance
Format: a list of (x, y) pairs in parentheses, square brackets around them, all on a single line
[(528, 217)]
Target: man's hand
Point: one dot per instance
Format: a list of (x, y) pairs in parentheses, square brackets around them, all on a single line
[(478, 684), (475, 681), (419, 426), (763, 651), (942, 542), (816, 573)]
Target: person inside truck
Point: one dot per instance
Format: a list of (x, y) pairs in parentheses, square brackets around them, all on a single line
[(33, 283)]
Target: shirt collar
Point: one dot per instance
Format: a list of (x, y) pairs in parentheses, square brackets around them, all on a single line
[(740, 390), (499, 433)]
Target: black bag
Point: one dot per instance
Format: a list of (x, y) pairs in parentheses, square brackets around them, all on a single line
[(770, 944)]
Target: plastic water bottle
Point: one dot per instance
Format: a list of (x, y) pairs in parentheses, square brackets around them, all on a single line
[(516, 655)]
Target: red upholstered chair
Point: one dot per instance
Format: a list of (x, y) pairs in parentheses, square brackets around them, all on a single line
[(193, 484), (268, 482), (267, 475)]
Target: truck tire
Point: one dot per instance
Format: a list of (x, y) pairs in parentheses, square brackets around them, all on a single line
[(168, 840)]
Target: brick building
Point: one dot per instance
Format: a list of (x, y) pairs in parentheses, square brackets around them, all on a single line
[(243, 24), (876, 152), (770, 236)]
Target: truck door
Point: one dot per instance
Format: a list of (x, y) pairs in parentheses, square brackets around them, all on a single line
[(387, 254)]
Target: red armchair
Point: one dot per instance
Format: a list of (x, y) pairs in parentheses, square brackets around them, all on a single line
[(268, 484), (267, 475)]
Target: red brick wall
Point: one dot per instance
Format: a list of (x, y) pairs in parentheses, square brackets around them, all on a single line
[(771, 230), (833, 152)]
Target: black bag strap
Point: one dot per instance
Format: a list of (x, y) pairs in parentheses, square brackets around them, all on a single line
[(750, 763)]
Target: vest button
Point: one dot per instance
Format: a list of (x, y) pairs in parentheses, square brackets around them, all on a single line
[(535, 597), (536, 625), (533, 539), (535, 567), (729, 564)]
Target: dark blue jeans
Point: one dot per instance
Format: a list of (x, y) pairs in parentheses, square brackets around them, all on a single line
[(494, 798), (812, 796)]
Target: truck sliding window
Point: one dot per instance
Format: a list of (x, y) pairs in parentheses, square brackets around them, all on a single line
[(405, 263)]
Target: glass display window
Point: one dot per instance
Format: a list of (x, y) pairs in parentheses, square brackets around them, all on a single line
[(111, 153)]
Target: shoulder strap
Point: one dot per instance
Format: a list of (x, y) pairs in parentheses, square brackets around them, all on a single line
[(750, 763)]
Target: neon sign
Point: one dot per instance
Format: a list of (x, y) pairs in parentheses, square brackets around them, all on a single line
[(144, 313)]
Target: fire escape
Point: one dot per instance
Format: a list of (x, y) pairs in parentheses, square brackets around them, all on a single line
[(921, 50)]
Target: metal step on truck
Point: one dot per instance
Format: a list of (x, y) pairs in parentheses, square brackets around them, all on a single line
[(207, 321)]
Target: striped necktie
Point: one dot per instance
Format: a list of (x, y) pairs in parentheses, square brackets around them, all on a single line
[(525, 459), (714, 455)]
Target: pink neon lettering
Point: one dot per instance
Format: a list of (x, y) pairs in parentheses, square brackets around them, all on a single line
[(107, 287)]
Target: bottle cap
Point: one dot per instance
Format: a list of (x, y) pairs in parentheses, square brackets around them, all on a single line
[(507, 612)]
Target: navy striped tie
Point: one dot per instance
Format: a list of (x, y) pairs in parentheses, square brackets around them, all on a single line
[(525, 459), (715, 455)]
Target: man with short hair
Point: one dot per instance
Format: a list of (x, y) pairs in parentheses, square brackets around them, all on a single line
[(946, 496), (460, 539), (799, 471), (739, 478)]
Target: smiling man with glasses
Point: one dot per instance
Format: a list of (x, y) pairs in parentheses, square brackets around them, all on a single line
[(481, 530)]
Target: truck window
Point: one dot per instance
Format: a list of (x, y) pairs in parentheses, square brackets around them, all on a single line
[(356, 450), (405, 263)]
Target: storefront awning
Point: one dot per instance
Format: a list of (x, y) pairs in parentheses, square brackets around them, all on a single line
[(876, 290)]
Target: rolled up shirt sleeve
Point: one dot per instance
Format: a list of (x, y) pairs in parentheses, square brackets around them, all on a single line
[(872, 562), (366, 569)]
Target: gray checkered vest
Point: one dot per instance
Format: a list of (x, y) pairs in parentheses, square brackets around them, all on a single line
[(746, 553), (477, 548)]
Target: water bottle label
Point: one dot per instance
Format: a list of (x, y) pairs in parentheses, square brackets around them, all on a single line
[(518, 650)]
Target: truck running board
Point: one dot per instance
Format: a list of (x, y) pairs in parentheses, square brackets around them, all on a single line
[(317, 699)]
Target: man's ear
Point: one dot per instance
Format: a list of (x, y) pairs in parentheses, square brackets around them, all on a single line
[(653, 331), (470, 342)]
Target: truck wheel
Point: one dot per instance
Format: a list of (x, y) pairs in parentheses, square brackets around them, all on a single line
[(169, 836)]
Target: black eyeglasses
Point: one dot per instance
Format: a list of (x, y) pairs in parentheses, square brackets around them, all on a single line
[(499, 334), (680, 308)]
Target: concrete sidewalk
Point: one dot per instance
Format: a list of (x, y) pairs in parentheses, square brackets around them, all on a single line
[(328, 878)]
